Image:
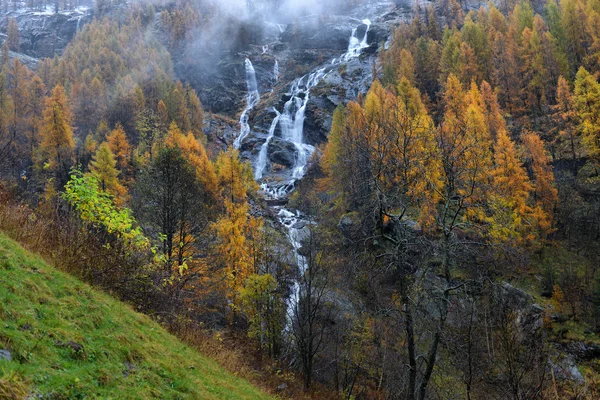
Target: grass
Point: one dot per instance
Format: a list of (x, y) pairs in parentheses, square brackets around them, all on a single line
[(69, 341)]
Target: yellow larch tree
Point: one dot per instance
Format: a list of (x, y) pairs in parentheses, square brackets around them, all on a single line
[(236, 230), (545, 195), (120, 147), (57, 143), (104, 167)]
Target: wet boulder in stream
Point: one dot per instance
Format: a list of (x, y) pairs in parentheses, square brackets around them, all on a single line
[(282, 152)]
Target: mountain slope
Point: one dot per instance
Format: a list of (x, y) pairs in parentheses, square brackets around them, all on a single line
[(67, 341)]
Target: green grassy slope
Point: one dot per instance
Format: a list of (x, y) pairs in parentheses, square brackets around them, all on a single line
[(68, 341)]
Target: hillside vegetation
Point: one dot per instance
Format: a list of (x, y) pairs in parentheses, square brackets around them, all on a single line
[(68, 341)]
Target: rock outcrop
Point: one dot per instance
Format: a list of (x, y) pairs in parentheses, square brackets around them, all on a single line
[(44, 34)]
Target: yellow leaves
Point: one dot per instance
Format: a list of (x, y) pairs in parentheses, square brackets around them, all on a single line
[(57, 142), (103, 167), (195, 153), (235, 177), (119, 146), (546, 195), (330, 161), (587, 104), (236, 232)]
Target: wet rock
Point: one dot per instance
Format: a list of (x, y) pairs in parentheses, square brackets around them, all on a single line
[(318, 32), (263, 120), (128, 369), (583, 351), (566, 369), (349, 225), (378, 33), (282, 152), (46, 34), (509, 299), (220, 131), (25, 327), (26, 60), (221, 86), (251, 145), (5, 355), (318, 120)]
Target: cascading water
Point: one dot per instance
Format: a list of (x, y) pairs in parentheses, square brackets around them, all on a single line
[(276, 72), (291, 122), (293, 114), (252, 99), (357, 46), (261, 161), (78, 22)]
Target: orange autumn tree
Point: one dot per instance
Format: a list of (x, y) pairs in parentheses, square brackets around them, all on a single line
[(194, 151), (194, 201), (564, 117), (120, 147), (376, 152), (545, 195), (511, 186), (57, 144), (237, 232), (389, 164)]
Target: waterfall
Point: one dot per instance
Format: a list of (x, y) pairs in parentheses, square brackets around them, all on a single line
[(356, 46), (261, 162), (291, 122), (78, 21), (293, 114), (290, 220), (251, 99)]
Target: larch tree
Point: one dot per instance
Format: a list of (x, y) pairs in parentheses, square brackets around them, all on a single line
[(35, 107), (511, 192), (533, 70), (545, 194), (194, 151), (564, 117), (511, 187), (235, 229), (104, 167), (57, 143), (19, 78), (120, 147), (196, 113), (13, 35), (587, 105), (163, 113)]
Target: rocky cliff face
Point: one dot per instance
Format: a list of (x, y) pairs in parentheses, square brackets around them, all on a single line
[(44, 34)]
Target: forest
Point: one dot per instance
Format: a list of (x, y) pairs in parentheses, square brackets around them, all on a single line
[(438, 237)]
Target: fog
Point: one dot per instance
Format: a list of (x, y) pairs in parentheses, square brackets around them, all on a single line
[(280, 10)]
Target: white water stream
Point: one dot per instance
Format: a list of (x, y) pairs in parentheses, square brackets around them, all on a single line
[(252, 99), (291, 122)]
